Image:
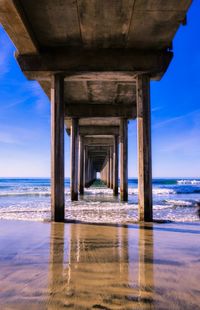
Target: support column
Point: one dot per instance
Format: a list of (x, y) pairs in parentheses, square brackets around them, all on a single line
[(111, 167), (74, 159), (108, 169), (85, 166), (57, 149), (115, 166), (144, 149), (81, 166), (123, 160)]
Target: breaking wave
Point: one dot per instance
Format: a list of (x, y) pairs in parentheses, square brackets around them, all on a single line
[(186, 182)]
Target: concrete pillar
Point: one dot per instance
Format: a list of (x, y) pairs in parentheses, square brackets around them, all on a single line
[(81, 165), (123, 160), (108, 169), (144, 149), (57, 149), (111, 167), (74, 159), (85, 166), (88, 171), (115, 166)]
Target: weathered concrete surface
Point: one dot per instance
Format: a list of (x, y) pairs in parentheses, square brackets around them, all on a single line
[(144, 149), (115, 165), (123, 159), (57, 149), (75, 60), (81, 165), (74, 160)]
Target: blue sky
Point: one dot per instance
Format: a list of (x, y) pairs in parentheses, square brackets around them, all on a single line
[(175, 102)]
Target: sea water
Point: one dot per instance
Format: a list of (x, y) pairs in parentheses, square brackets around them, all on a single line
[(29, 199)]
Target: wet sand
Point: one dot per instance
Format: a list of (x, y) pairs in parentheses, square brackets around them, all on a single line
[(81, 266)]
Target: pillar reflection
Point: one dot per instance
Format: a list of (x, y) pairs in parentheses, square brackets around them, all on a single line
[(92, 267), (146, 268), (56, 263)]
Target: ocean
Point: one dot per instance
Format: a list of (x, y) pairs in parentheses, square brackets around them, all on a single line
[(29, 199)]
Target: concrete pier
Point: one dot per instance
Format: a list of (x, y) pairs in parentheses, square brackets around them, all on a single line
[(106, 58)]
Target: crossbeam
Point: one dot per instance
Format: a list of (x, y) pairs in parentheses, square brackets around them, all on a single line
[(67, 61)]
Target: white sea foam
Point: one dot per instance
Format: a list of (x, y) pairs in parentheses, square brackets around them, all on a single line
[(28, 193), (156, 191), (96, 212), (174, 202), (41, 191), (188, 182)]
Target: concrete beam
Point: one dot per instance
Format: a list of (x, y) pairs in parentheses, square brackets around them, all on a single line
[(16, 25), (98, 148), (99, 130), (76, 60), (100, 110), (97, 141)]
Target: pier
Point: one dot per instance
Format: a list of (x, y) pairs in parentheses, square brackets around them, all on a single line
[(95, 60)]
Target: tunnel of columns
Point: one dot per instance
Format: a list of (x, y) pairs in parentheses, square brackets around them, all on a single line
[(100, 144), (95, 60)]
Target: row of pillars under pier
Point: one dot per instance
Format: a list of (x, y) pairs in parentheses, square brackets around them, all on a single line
[(86, 173), (98, 158), (93, 159)]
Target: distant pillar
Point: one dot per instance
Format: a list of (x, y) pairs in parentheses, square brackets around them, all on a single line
[(111, 167), (85, 166), (144, 149), (57, 149), (123, 160), (89, 168), (115, 166), (108, 168), (81, 166), (74, 159)]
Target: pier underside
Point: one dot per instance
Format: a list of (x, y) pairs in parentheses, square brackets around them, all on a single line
[(95, 59)]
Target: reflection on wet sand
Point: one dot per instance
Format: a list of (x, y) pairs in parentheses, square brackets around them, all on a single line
[(145, 276), (96, 273), (81, 266)]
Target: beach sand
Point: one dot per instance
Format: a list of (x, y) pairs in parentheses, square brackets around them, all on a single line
[(81, 266)]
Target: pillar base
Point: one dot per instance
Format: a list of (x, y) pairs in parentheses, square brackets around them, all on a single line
[(81, 191), (124, 196), (59, 216), (74, 196), (145, 217), (115, 191)]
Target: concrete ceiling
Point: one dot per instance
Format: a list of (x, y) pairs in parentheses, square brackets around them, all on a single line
[(101, 23), (98, 45)]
